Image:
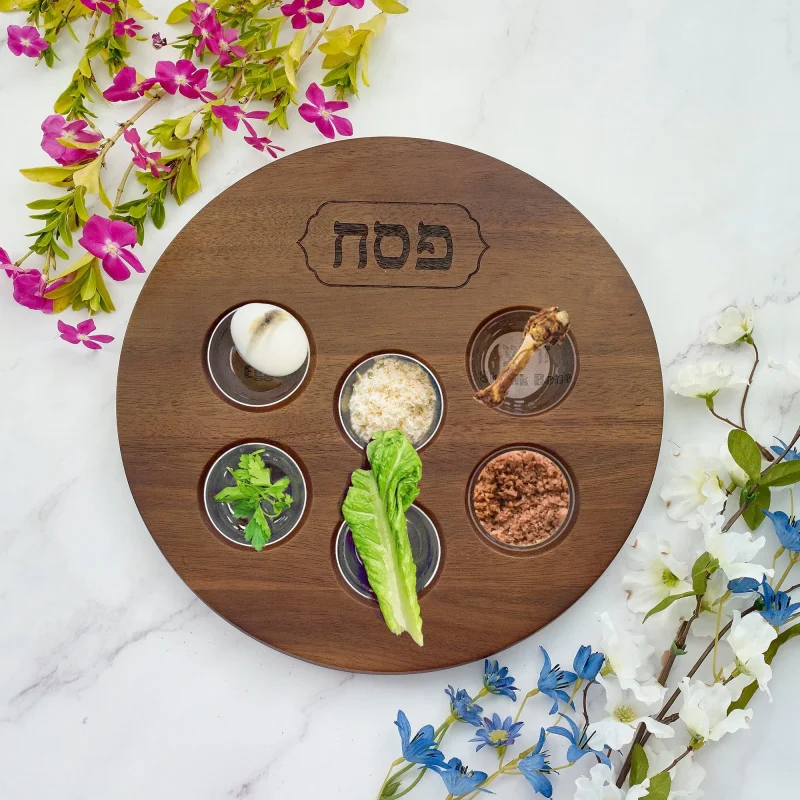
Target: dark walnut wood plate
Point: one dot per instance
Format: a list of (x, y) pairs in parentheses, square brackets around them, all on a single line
[(432, 239)]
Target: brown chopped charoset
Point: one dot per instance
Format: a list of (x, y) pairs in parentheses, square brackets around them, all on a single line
[(547, 327)]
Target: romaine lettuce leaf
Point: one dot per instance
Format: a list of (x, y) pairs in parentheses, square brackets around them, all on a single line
[(375, 510)]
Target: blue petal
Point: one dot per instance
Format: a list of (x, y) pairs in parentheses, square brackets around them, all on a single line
[(743, 585), (404, 726)]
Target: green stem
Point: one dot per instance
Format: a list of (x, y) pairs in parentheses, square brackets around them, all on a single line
[(792, 561), (318, 38), (121, 187), (394, 764)]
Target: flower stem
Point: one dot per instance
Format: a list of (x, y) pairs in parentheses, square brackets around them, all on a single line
[(19, 261), (394, 764), (749, 383), (127, 124), (716, 639), (792, 561), (678, 759), (318, 38), (764, 452), (121, 187)]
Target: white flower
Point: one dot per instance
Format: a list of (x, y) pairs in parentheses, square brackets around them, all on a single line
[(660, 565), (705, 711), (734, 551), (600, 785), (734, 326), (749, 639), (686, 776), (704, 380), (698, 484), (790, 367), (705, 626), (628, 657), (625, 713)]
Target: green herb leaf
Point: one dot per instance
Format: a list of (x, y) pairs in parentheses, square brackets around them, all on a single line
[(390, 6), (666, 603), (783, 474), (705, 565), (257, 531), (753, 515), (659, 787), (639, 765), (745, 453)]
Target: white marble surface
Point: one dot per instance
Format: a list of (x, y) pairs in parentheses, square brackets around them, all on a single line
[(673, 126)]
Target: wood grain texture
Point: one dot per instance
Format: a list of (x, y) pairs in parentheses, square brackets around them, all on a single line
[(243, 247)]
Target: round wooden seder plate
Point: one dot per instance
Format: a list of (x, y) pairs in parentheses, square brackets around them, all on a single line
[(273, 237)]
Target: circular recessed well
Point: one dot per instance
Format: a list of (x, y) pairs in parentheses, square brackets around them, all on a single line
[(521, 497), (426, 549), (281, 465), (547, 377), (428, 404), (238, 381)]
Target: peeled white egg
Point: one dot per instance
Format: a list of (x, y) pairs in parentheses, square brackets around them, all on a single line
[(269, 339)]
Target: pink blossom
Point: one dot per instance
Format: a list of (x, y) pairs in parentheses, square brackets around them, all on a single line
[(127, 86), (158, 40), (55, 127), (320, 112), (301, 12), (231, 116), (354, 3), (25, 41), (103, 5), (7, 264), (29, 290), (223, 46), (141, 157), (183, 77), (108, 239), (82, 334), (262, 143), (206, 27), (128, 27)]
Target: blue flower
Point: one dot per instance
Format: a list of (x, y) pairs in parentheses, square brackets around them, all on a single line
[(787, 530), (534, 767), (587, 664), (422, 748), (463, 707), (743, 585), (579, 743), (496, 733), (460, 780), (553, 680), (778, 606), (497, 680), (791, 455)]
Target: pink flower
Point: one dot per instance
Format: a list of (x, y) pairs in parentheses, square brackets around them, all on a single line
[(223, 46), (231, 116), (108, 239), (55, 127), (320, 112), (206, 27), (127, 86), (26, 41), (141, 157), (7, 264), (158, 40), (29, 289), (82, 334), (354, 3), (261, 143), (183, 77), (103, 5), (301, 12), (127, 28)]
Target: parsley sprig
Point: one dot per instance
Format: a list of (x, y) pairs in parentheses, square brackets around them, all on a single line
[(255, 497)]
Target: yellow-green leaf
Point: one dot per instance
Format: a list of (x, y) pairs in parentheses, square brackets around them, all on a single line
[(89, 286), (68, 289), (77, 145), (179, 13), (296, 47), (79, 266), (288, 65), (390, 6), (53, 175), (84, 67), (375, 24), (365, 51), (203, 145), (89, 177), (183, 125), (64, 101), (80, 205), (136, 9)]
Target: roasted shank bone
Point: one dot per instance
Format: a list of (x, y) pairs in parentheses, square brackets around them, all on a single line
[(548, 327)]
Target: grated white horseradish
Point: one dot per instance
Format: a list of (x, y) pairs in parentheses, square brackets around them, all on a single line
[(393, 394)]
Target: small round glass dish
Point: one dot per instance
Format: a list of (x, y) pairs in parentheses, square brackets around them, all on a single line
[(426, 550), (547, 377), (361, 369), (521, 498), (281, 465), (240, 383)]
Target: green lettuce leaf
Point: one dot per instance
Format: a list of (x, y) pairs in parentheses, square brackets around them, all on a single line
[(375, 510)]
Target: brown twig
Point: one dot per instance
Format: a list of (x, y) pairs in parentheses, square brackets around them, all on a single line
[(764, 451), (749, 383), (678, 759)]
